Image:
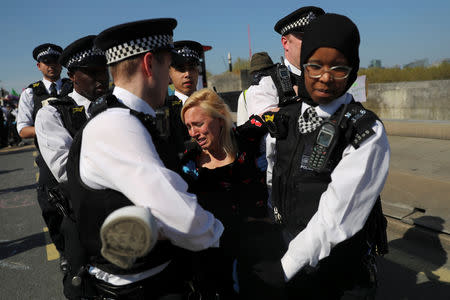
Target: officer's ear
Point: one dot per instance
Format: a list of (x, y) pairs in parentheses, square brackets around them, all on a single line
[(148, 63), (284, 41)]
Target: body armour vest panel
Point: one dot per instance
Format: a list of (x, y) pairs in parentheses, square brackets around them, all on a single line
[(72, 115), (40, 93), (296, 189), (178, 132), (85, 201)]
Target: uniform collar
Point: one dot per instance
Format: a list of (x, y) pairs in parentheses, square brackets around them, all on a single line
[(325, 111), (133, 101), (80, 100), (181, 96), (292, 68), (47, 84)]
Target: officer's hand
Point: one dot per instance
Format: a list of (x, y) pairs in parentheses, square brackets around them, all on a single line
[(270, 272)]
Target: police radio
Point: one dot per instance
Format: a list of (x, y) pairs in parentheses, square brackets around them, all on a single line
[(286, 93), (162, 121), (325, 142)]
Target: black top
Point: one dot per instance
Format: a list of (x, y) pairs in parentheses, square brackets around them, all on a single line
[(232, 193)]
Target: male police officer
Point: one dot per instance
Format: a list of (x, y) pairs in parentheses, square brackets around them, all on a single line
[(57, 123), (30, 102), (280, 85), (119, 159), (183, 73)]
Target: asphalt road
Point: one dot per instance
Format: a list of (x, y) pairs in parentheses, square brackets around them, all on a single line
[(417, 266)]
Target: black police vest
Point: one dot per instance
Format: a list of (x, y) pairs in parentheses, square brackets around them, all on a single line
[(72, 115), (179, 134), (40, 93), (296, 189), (91, 207)]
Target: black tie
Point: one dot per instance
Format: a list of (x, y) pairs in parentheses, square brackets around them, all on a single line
[(53, 91)]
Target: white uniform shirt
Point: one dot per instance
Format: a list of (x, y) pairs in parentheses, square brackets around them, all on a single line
[(181, 96), (344, 207), (54, 139), (26, 104), (118, 153), (242, 114), (264, 96)]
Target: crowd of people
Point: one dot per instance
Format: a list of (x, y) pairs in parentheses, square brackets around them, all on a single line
[(8, 131), (154, 197)]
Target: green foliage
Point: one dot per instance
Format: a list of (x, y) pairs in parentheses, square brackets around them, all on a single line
[(381, 75)]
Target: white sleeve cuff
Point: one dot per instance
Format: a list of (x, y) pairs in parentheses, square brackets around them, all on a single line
[(290, 267)]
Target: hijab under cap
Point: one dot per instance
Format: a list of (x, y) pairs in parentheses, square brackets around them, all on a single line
[(333, 31)]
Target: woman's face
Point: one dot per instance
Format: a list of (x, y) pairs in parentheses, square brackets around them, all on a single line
[(203, 128), (325, 89)]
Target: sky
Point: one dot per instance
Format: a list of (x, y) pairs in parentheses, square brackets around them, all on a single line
[(395, 31)]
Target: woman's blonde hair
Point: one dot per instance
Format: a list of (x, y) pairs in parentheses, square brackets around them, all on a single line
[(215, 107)]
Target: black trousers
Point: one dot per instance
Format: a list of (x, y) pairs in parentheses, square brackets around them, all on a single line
[(52, 217)]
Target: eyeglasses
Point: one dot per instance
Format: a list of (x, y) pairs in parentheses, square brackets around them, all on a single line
[(316, 71)]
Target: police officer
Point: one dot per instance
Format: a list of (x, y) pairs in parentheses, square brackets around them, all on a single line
[(332, 160), (57, 123), (30, 102), (269, 92), (183, 73), (119, 159)]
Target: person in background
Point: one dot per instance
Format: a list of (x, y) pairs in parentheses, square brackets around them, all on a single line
[(31, 100), (268, 93), (183, 72), (259, 65)]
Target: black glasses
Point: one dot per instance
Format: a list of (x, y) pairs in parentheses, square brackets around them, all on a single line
[(316, 71)]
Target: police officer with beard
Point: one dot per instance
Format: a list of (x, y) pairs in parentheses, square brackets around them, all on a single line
[(120, 160)]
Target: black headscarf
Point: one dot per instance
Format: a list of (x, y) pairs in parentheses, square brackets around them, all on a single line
[(333, 31)]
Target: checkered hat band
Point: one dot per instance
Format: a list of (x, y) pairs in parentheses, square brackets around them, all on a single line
[(299, 23), (138, 46), (77, 58), (48, 51), (188, 53)]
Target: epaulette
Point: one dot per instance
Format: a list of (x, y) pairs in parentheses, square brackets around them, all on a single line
[(358, 123), (35, 84), (103, 103)]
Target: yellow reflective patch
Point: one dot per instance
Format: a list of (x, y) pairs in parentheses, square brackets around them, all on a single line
[(36, 84), (268, 118), (77, 109), (176, 102)]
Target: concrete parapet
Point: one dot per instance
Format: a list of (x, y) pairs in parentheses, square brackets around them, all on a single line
[(418, 128), (415, 100)]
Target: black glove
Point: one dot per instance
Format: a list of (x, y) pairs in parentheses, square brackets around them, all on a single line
[(271, 273)]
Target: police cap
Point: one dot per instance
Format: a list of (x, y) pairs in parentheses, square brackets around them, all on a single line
[(47, 52), (124, 41), (82, 53), (187, 52), (297, 21)]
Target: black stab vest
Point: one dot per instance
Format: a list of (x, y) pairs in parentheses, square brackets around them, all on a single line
[(296, 189), (91, 207), (72, 115), (40, 93), (178, 132)]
